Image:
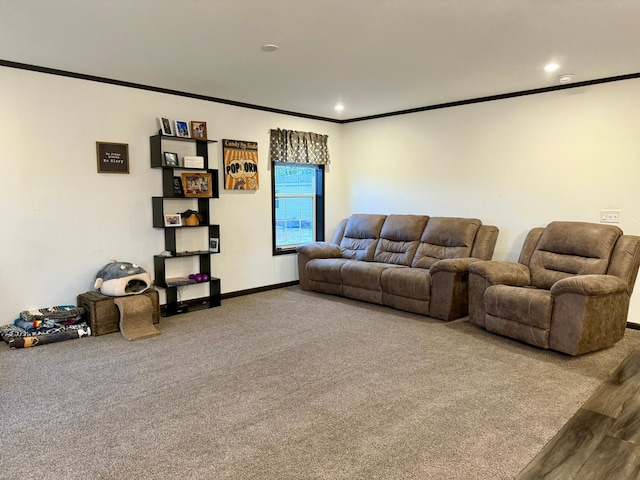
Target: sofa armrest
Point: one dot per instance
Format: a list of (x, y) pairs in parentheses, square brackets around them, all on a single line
[(589, 285), (310, 251), (449, 288), (452, 265), (502, 273), (319, 250)]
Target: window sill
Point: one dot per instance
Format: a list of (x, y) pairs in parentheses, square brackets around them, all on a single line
[(284, 251)]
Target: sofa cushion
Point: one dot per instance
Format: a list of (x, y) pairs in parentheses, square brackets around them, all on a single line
[(366, 275), (326, 269), (445, 237), (407, 282), (399, 239), (361, 234), (572, 248)]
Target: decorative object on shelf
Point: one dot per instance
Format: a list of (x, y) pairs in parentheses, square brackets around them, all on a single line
[(240, 165), (182, 129), (112, 157), (122, 278), (178, 191), (193, 161), (164, 124), (214, 245), (191, 218), (199, 277), (197, 184), (199, 130), (171, 159), (173, 220)]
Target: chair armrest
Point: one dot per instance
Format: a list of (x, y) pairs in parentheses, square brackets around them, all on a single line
[(319, 250), (589, 285), (502, 273), (589, 313)]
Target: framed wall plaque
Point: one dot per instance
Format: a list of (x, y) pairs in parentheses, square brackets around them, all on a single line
[(112, 157)]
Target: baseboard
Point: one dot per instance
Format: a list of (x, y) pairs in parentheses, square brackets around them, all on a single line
[(633, 326), (266, 288)]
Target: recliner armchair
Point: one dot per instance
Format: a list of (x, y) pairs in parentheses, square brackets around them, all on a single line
[(569, 291)]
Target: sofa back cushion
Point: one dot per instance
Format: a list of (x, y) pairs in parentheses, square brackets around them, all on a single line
[(445, 237), (566, 249), (399, 239), (361, 234)]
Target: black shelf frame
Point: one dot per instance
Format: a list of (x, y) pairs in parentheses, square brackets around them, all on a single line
[(173, 304)]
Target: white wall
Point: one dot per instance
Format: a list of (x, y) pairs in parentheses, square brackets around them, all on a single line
[(62, 221), (515, 163)]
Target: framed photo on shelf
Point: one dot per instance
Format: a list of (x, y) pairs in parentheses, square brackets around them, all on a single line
[(197, 184), (182, 129), (164, 124), (199, 130), (173, 220), (178, 191), (214, 245), (171, 159)]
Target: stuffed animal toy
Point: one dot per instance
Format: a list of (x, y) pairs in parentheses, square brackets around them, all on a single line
[(118, 279)]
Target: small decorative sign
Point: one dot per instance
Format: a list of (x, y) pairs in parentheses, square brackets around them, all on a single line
[(193, 161), (240, 165), (112, 157)]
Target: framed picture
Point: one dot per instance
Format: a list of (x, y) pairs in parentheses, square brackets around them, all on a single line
[(171, 159), (197, 184), (182, 129), (112, 157), (177, 187), (173, 220), (164, 124), (214, 245), (199, 130)]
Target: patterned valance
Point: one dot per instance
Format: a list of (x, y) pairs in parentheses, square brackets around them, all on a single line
[(299, 147)]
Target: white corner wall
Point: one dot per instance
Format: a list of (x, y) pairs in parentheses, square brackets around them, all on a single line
[(62, 221), (515, 163)]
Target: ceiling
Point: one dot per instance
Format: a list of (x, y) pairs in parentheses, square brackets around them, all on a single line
[(372, 56)]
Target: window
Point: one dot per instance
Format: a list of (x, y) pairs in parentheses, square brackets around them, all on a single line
[(298, 205)]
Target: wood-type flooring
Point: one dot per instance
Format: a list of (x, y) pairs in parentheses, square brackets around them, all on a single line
[(602, 440)]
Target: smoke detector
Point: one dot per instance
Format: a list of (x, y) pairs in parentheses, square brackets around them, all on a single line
[(566, 78)]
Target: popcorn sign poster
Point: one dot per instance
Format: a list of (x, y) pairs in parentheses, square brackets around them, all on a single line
[(240, 165)]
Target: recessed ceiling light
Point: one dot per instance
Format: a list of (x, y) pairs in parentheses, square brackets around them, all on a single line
[(551, 67), (339, 107), (566, 78), (269, 47)]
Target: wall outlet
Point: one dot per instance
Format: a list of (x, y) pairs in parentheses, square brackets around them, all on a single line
[(609, 216)]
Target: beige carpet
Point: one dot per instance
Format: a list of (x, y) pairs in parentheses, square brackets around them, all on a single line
[(289, 385)]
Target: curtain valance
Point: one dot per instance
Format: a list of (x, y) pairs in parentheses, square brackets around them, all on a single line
[(299, 147)]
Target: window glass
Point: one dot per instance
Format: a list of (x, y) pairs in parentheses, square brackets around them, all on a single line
[(297, 203)]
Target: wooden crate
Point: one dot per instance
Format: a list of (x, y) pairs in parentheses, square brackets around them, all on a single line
[(103, 316)]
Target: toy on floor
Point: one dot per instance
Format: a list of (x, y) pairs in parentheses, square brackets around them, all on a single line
[(118, 279)]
